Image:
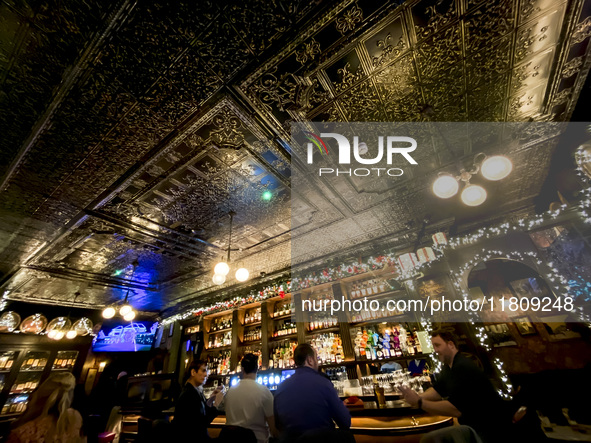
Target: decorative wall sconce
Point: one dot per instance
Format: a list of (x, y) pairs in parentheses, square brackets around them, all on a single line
[(492, 168)]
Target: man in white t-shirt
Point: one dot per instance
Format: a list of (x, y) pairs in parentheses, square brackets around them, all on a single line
[(250, 405)]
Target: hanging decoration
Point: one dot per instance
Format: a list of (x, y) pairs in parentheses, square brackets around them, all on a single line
[(9, 321), (33, 324)]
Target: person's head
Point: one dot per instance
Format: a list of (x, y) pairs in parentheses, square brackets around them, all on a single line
[(250, 364), (445, 345), (305, 355), (197, 372), (53, 397)]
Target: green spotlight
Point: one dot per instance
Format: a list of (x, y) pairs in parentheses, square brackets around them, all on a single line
[(118, 272), (267, 195)]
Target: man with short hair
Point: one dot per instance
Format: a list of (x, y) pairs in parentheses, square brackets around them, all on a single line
[(308, 401), (250, 405), (461, 390)]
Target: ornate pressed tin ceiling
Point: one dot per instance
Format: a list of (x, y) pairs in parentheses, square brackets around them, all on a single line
[(131, 129)]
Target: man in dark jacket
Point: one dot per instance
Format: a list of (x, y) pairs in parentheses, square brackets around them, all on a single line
[(193, 413)]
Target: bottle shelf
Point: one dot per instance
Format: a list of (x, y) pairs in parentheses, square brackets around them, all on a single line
[(322, 330), (402, 358), (284, 316), (392, 318), (284, 337), (219, 348), (248, 325), (220, 331), (394, 292)]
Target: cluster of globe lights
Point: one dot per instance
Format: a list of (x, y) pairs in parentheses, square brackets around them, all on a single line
[(492, 168), (222, 269), (125, 311)]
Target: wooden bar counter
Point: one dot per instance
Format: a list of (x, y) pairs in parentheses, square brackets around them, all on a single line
[(395, 423)]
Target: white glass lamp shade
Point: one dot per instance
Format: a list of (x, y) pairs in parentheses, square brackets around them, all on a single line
[(9, 321), (473, 195), (109, 312), (129, 316), (83, 326), (445, 186), (57, 327), (71, 334), (242, 274), (219, 279), (496, 167), (33, 324), (51, 334), (59, 335), (124, 310), (221, 268)]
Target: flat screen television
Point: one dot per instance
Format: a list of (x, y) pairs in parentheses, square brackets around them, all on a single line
[(122, 336)]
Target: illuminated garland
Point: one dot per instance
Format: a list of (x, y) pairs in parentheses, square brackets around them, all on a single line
[(252, 297)]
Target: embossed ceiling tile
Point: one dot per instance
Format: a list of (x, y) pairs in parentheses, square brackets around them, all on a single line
[(487, 24), (533, 71), (488, 98), (532, 8), (193, 17), (441, 57), (398, 79), (431, 16), (403, 109), (526, 103), (490, 62), (387, 44), (362, 103), (345, 72), (223, 50), (193, 78), (539, 34)]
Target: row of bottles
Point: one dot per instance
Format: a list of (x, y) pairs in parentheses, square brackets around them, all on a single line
[(253, 334), (329, 348), (285, 328), (367, 288), (369, 315), (220, 323), (24, 386), (219, 340), (283, 308), (15, 405), (220, 364), (281, 355), (34, 363), (321, 320), (252, 316), (394, 341), (6, 360)]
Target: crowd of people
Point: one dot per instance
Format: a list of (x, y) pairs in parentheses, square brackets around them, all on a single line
[(305, 407)]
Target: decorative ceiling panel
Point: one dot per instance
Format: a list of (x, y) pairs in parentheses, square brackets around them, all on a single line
[(130, 130)]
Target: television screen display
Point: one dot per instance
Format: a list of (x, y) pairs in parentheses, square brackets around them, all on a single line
[(125, 337)]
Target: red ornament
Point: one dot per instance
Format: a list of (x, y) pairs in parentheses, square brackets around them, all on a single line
[(281, 293)]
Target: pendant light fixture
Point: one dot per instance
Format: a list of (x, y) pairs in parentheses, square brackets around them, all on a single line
[(222, 268), (125, 310), (492, 168)]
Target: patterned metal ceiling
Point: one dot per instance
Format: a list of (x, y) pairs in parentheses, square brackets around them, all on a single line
[(130, 129)]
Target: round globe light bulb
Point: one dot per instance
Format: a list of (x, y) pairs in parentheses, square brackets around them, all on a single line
[(242, 274), (496, 167), (124, 310), (51, 334), (445, 186), (71, 334), (59, 335), (473, 195), (219, 279), (221, 268), (129, 316), (109, 312)]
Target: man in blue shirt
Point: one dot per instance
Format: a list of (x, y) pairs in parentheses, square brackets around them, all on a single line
[(307, 400)]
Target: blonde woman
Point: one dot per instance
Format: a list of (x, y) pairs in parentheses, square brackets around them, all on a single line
[(49, 418)]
